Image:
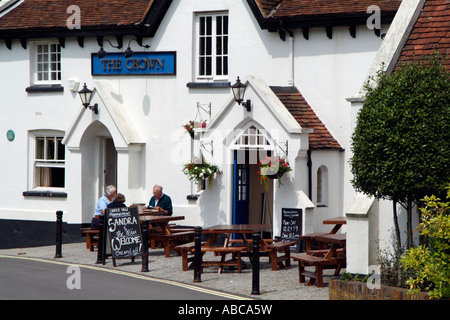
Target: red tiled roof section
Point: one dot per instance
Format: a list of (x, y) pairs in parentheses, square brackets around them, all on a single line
[(298, 8), (41, 14), (293, 100), (431, 32)]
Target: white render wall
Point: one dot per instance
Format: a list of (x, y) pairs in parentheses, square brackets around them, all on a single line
[(325, 71)]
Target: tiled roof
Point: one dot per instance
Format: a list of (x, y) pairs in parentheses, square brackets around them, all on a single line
[(53, 13), (303, 8), (293, 100), (430, 32)]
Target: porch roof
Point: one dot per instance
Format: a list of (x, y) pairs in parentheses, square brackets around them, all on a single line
[(299, 108)]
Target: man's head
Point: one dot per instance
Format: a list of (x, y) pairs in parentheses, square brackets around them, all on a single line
[(157, 191)]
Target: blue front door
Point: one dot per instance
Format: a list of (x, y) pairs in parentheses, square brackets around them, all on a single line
[(241, 187)]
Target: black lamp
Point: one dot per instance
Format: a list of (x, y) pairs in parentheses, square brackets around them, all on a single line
[(239, 91), (86, 96), (128, 53), (102, 53)]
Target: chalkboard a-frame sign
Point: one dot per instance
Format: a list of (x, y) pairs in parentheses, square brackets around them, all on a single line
[(124, 230), (291, 225)]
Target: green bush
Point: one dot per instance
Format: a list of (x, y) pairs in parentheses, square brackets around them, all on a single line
[(431, 262)]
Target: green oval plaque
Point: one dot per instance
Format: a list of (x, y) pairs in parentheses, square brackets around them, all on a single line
[(10, 135)]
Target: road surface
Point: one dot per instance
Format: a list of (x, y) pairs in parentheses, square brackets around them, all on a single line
[(36, 279)]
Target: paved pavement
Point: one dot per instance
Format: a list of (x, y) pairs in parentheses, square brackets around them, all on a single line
[(274, 285)]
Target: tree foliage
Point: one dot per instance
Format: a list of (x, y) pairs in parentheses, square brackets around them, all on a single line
[(401, 144), (430, 262)]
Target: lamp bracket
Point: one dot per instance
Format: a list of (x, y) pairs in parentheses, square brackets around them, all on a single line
[(206, 109), (93, 108), (211, 143), (247, 104)]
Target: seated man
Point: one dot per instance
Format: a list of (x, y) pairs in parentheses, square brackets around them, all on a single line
[(160, 202)]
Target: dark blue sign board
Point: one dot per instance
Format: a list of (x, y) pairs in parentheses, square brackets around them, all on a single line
[(140, 63)]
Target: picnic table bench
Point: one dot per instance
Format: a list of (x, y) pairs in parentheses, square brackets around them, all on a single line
[(276, 247), (91, 237), (332, 258), (319, 263), (172, 240), (222, 252), (168, 235)]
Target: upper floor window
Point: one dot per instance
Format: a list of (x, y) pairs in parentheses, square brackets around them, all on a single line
[(212, 46), (46, 63)]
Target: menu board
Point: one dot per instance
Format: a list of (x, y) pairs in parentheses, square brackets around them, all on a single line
[(291, 225), (124, 230)]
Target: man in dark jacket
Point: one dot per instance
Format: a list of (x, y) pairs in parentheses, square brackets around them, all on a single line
[(160, 201)]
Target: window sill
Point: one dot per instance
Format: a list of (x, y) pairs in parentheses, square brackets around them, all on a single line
[(218, 84), (49, 194), (45, 88), (192, 196)]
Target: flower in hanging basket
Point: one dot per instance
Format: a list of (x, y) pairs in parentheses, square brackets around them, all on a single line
[(198, 171), (191, 125), (271, 168)]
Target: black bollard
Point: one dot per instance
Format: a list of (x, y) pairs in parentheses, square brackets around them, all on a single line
[(198, 254), (100, 255), (255, 273), (145, 226), (58, 234)]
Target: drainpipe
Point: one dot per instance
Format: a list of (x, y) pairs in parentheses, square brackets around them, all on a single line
[(282, 32), (309, 163), (291, 65)]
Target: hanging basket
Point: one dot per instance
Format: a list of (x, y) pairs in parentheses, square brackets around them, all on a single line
[(276, 176), (192, 125)]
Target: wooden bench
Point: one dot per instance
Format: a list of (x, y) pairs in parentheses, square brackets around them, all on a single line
[(322, 252), (223, 251), (320, 264), (281, 246), (183, 250), (91, 237), (170, 241)]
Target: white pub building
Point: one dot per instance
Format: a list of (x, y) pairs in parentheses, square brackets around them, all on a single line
[(155, 65)]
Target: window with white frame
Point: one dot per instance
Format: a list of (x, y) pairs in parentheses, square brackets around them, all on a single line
[(212, 46), (322, 186), (46, 62), (48, 155), (252, 137)]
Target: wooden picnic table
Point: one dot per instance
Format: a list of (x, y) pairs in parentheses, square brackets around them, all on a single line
[(233, 246), (337, 221), (326, 256), (238, 229), (237, 246), (337, 241), (163, 232), (330, 258)]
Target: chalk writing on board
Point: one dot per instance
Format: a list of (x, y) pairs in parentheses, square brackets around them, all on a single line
[(125, 233), (291, 223)]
